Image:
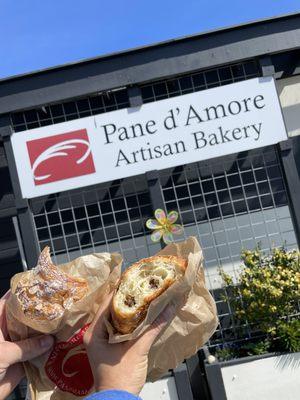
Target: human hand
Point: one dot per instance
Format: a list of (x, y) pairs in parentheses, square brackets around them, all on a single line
[(13, 353), (121, 366)]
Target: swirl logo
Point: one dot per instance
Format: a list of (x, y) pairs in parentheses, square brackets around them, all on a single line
[(68, 366), (60, 157)]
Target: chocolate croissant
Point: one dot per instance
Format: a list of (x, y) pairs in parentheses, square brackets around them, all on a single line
[(45, 292), (140, 284)]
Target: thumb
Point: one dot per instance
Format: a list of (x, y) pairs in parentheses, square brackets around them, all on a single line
[(146, 340), (13, 352), (98, 327)]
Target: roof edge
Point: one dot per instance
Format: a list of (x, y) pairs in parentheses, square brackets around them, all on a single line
[(151, 46)]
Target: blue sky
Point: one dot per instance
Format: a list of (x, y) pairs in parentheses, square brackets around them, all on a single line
[(38, 34)]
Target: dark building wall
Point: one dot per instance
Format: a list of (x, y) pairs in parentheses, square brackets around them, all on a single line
[(10, 262), (296, 149)]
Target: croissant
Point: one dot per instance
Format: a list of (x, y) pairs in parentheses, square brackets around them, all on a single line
[(45, 292), (139, 285)]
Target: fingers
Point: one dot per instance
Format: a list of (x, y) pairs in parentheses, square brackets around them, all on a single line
[(150, 335), (11, 379), (3, 327), (11, 353), (98, 325)]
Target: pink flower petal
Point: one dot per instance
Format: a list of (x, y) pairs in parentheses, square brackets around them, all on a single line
[(156, 236), (176, 229), (168, 237), (160, 215), (172, 216), (152, 224)]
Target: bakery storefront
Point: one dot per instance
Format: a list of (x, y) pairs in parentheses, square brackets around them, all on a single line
[(205, 125)]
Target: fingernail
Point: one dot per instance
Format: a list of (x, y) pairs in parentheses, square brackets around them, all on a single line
[(46, 341)]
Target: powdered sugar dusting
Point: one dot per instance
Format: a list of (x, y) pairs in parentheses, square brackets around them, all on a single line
[(46, 292)]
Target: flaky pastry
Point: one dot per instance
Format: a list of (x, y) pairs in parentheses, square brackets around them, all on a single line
[(45, 292), (140, 284)]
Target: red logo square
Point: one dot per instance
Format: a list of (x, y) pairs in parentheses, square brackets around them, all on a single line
[(59, 157)]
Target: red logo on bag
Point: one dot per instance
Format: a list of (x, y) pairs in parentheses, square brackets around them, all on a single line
[(60, 157), (68, 366)]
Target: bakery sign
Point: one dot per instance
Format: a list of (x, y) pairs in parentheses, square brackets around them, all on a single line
[(158, 135)]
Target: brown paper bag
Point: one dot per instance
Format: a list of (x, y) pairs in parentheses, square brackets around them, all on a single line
[(64, 372), (195, 320)]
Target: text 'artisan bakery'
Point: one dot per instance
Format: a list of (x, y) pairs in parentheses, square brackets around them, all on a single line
[(184, 118)]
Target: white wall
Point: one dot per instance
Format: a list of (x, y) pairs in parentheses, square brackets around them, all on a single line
[(163, 389), (273, 378)]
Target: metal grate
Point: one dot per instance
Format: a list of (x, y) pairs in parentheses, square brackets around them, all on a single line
[(230, 203), (109, 217), (80, 108), (199, 81)]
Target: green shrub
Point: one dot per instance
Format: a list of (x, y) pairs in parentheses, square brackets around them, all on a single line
[(266, 294), (289, 335), (256, 349), (225, 354), (230, 352)]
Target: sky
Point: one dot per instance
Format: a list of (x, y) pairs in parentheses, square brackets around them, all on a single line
[(37, 34)]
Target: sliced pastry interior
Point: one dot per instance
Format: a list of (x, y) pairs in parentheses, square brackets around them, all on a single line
[(45, 292), (140, 284)]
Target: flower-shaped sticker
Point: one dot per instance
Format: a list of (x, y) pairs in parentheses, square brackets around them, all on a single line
[(164, 226)]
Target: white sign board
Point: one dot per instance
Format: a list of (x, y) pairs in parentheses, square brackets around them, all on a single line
[(158, 135)]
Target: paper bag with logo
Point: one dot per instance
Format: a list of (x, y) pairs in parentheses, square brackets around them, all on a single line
[(196, 316), (64, 372)]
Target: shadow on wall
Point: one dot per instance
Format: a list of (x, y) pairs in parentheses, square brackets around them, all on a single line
[(296, 147), (288, 91), (291, 117), (290, 361)]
